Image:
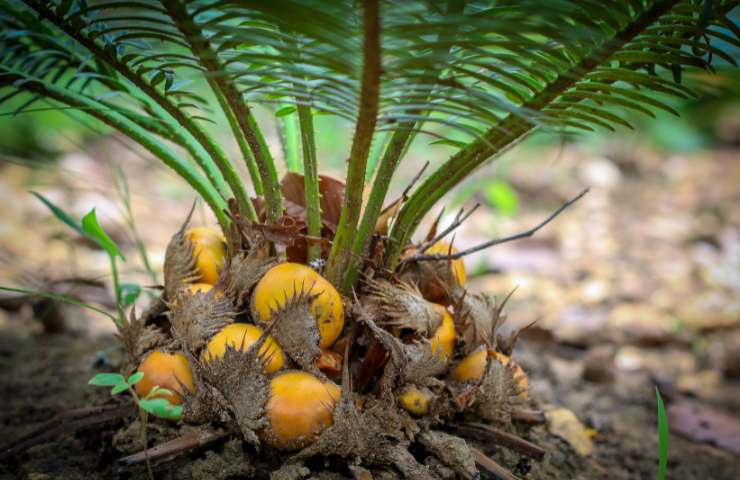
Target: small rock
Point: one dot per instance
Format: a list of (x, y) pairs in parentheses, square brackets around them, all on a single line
[(629, 359), (600, 172), (640, 323), (566, 372), (725, 353), (599, 364)]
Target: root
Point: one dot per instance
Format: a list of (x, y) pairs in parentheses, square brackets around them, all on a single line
[(482, 431), (530, 417), (67, 423), (491, 466)]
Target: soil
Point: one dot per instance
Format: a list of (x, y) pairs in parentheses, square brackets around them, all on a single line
[(44, 374)]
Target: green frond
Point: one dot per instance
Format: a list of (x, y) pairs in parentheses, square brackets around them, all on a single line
[(150, 84), (42, 88), (618, 68), (479, 75)]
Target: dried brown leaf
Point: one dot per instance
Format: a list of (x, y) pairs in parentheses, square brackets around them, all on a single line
[(564, 424), (704, 423)]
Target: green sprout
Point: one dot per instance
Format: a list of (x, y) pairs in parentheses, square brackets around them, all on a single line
[(662, 437), (153, 403)]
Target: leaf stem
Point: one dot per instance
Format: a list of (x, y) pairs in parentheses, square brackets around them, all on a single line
[(341, 252), (287, 125), (311, 179), (395, 150), (662, 437), (249, 161), (201, 48), (388, 164)]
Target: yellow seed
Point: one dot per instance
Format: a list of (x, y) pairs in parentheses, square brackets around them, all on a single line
[(209, 250), (242, 336), (284, 281), (414, 400), (458, 265), (300, 406), (166, 371), (200, 287), (472, 368), (443, 341)]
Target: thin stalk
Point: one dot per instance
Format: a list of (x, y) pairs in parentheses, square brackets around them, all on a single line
[(119, 122), (201, 48), (311, 179), (266, 164), (376, 151), (289, 134), (74, 29), (249, 161), (59, 298), (341, 252), (117, 289), (507, 132)]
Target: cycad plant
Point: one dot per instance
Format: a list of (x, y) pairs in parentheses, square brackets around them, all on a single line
[(354, 301)]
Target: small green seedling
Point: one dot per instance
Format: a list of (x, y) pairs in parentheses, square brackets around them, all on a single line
[(126, 293), (152, 403), (662, 437)]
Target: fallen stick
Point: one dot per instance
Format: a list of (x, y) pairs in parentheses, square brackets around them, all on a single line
[(531, 417), (168, 450), (491, 466), (500, 437)]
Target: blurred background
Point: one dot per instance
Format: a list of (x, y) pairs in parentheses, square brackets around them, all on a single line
[(637, 285)]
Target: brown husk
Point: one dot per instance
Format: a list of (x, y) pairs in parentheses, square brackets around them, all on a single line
[(294, 328), (477, 318), (239, 379), (196, 317), (179, 263), (401, 305)]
